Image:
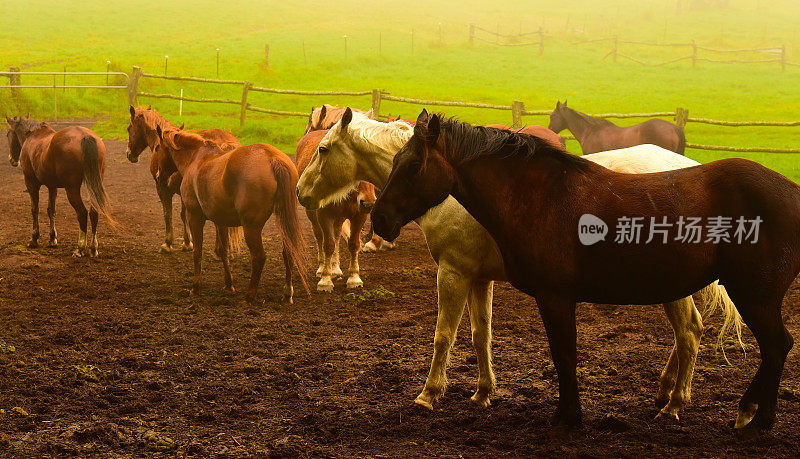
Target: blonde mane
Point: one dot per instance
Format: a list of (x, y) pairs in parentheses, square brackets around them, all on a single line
[(386, 136)]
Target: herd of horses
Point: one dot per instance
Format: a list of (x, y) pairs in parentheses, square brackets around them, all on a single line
[(494, 204)]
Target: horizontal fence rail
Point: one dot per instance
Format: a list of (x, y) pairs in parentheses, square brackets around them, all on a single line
[(517, 108)]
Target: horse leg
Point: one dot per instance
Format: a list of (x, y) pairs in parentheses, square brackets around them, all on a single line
[(288, 289), (480, 317), (52, 193), (74, 197), (329, 246), (187, 239), (319, 238), (354, 244), (165, 196), (252, 236), (222, 253), (336, 269), (676, 379), (196, 225), (33, 191), (452, 289), (93, 244), (762, 314), (558, 316)]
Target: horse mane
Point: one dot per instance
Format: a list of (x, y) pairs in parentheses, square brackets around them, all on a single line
[(153, 119), (388, 136), (178, 139), (467, 143)]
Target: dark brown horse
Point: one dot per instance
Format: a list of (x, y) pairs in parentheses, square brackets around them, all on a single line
[(142, 134), (537, 201), (64, 159), (327, 222), (241, 187), (597, 134)]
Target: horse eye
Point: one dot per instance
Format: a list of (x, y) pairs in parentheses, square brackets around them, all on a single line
[(323, 149)]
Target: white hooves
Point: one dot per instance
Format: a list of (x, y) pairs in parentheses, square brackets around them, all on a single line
[(319, 271), (78, 252), (479, 400), (187, 247), (165, 248), (667, 416), (423, 403), (325, 285), (355, 282), (369, 247), (337, 272)]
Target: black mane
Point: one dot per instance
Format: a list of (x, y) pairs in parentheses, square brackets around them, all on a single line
[(467, 143)]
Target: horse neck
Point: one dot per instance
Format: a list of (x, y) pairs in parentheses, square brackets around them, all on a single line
[(577, 122), (150, 131), (184, 157), (375, 155)]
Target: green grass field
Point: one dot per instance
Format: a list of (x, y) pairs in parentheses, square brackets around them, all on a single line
[(82, 35)]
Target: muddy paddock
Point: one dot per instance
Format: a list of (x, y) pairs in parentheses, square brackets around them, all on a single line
[(112, 356)]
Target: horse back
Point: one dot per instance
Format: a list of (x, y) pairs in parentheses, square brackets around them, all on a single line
[(221, 137), (58, 157)]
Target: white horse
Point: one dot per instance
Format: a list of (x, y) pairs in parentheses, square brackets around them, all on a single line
[(357, 149)]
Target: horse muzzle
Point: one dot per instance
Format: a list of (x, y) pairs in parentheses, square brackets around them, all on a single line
[(385, 227), (131, 157), (365, 207), (14, 162)]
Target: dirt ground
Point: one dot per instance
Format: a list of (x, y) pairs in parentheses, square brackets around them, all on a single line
[(111, 356)]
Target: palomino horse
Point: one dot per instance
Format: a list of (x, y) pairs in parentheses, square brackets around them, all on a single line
[(323, 118), (64, 159), (241, 187), (327, 222), (598, 134), (142, 134), (538, 201), (469, 260)]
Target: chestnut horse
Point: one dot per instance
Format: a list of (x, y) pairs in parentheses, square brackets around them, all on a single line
[(324, 118), (142, 134), (64, 159), (598, 134), (538, 131), (531, 196), (327, 222), (241, 187)]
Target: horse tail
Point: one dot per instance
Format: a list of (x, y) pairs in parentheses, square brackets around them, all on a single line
[(681, 141), (93, 178), (715, 297), (288, 219)]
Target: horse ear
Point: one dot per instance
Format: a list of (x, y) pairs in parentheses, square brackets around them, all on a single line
[(422, 118), (347, 117), (565, 102), (434, 125), (181, 127), (159, 131), (9, 120), (150, 107), (370, 114), (322, 112), (132, 110)]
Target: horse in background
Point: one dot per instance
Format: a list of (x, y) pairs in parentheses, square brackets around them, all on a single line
[(598, 134), (538, 131), (531, 197), (327, 222), (469, 260), (324, 118), (142, 134), (241, 187), (65, 159)]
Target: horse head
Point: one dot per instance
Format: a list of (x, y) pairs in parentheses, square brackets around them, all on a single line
[(558, 121)]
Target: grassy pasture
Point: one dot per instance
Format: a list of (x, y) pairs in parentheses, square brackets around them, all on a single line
[(81, 35)]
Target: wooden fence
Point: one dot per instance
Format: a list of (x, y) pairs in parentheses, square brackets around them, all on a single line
[(779, 51), (507, 39)]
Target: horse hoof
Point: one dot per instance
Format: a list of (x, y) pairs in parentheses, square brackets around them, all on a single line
[(667, 417), (33, 244), (354, 282), (423, 403), (369, 247), (230, 289), (165, 248), (386, 246), (187, 248), (77, 253), (195, 291), (319, 272), (480, 400), (566, 419), (93, 253), (337, 272), (661, 402), (53, 243), (324, 286), (287, 300)]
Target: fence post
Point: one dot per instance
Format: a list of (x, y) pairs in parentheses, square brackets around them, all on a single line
[(471, 34), (681, 116), (517, 108), (541, 41), (14, 80), (783, 58), (133, 85), (694, 52), (245, 90), (376, 103)]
